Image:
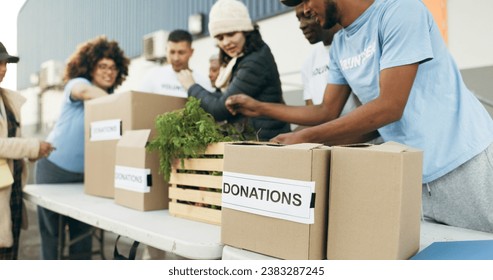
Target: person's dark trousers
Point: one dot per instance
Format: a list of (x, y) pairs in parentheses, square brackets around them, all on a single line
[(48, 173)]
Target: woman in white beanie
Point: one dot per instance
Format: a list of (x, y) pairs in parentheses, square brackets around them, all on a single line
[(247, 66)]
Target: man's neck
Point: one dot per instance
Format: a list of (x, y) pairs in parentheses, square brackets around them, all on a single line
[(351, 10)]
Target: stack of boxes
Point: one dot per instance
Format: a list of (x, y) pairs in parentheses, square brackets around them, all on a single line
[(107, 119), (369, 207), (304, 201)]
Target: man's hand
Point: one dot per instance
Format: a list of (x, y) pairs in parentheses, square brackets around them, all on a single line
[(243, 104), (288, 138), (186, 79)]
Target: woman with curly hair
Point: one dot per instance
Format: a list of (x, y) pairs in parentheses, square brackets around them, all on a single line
[(94, 70), (247, 66)]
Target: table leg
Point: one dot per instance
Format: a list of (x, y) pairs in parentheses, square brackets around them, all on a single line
[(61, 237)]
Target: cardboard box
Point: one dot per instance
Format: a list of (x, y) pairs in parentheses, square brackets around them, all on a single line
[(195, 187), (106, 119), (282, 193), (138, 184), (374, 202)]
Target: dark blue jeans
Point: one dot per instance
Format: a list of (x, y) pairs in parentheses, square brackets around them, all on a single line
[(48, 173)]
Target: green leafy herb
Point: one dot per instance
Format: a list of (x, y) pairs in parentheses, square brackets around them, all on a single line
[(185, 133)]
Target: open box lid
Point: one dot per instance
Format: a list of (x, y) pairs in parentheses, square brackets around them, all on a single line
[(135, 138), (301, 146), (391, 147)]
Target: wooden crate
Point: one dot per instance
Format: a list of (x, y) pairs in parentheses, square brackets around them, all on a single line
[(198, 196)]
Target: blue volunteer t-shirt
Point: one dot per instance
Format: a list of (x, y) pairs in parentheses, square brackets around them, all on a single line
[(68, 134), (442, 117)]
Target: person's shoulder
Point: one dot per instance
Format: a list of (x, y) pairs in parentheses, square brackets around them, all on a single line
[(69, 86), (265, 50), (399, 2), (77, 80), (14, 96), (260, 56), (8, 91), (398, 7), (318, 52), (320, 49), (319, 45), (338, 39)]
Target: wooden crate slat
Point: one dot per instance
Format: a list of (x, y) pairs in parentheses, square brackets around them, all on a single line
[(215, 149), (201, 214), (198, 196), (205, 164), (196, 180), (194, 204)]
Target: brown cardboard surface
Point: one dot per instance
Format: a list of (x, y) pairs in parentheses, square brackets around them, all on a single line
[(374, 202), (270, 236), (137, 110), (131, 152)]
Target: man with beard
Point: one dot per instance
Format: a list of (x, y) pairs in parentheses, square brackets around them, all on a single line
[(391, 54), (315, 68)]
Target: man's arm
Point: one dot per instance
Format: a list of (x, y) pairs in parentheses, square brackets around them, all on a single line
[(395, 87), (334, 99)]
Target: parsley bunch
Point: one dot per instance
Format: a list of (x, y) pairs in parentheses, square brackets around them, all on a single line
[(184, 133)]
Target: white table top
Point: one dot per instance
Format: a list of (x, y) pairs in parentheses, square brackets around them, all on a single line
[(433, 232), (190, 239), (187, 238), (430, 232)]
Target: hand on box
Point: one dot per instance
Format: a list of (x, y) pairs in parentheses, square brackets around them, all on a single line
[(288, 138), (243, 104)]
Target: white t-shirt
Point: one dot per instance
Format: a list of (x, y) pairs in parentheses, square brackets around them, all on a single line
[(314, 75), (163, 80)]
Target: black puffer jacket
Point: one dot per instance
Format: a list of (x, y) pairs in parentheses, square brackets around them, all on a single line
[(255, 74)]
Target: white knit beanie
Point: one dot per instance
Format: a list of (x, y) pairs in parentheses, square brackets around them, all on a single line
[(228, 16)]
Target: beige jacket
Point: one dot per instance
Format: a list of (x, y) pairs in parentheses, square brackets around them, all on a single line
[(10, 149)]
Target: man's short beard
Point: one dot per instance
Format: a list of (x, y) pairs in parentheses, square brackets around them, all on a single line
[(331, 15), (329, 24)]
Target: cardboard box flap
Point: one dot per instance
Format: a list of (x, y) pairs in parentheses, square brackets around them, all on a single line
[(305, 146), (134, 138), (255, 143), (357, 145), (301, 146), (106, 99), (392, 147)]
